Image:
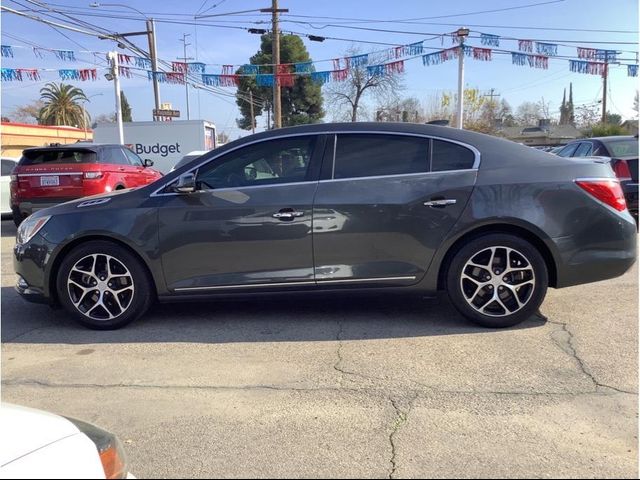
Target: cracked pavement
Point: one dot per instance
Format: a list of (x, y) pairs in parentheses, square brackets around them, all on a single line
[(350, 388)]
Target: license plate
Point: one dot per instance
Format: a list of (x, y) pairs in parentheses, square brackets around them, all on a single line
[(49, 181)]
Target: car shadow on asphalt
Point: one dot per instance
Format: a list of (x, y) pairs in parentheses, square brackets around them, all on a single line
[(298, 319), (8, 229)]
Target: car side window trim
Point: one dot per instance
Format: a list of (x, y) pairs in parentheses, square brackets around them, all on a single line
[(195, 168)]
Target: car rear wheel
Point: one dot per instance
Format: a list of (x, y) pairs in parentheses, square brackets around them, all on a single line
[(103, 285), (497, 280)]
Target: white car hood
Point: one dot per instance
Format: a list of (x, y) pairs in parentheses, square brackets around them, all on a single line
[(23, 430)]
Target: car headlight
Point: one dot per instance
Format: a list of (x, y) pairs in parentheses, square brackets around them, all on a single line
[(29, 228), (114, 461)]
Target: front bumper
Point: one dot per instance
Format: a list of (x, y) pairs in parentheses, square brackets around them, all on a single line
[(30, 262)]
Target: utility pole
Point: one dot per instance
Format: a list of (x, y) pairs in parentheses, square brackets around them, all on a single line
[(151, 31), (462, 33), (275, 49), (185, 59), (253, 120), (604, 88), (113, 59), (491, 95)]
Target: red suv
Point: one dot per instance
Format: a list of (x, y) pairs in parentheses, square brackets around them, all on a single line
[(46, 176)]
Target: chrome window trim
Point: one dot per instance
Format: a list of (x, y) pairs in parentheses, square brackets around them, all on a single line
[(475, 151), (373, 177), (303, 282)]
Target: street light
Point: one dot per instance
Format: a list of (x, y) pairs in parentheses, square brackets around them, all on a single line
[(84, 111), (98, 5)]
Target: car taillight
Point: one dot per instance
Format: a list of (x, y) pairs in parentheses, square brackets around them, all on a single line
[(607, 191), (92, 175), (621, 167)]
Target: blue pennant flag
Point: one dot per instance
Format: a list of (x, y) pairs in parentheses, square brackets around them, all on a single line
[(10, 74), (264, 79), (321, 77), (142, 62), (632, 70), (548, 49), (211, 79), (519, 58), (196, 67), (492, 40), (69, 74), (375, 70), (303, 67), (67, 55), (359, 60), (250, 69), (7, 51), (416, 49)]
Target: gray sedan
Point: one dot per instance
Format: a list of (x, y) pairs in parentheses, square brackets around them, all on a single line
[(338, 209)]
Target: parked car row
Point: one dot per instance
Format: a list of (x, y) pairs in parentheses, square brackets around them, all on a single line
[(337, 208)]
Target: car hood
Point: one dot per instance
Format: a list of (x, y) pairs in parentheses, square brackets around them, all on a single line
[(101, 200), (25, 430)]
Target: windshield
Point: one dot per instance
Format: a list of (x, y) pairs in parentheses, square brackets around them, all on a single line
[(53, 157), (623, 148)]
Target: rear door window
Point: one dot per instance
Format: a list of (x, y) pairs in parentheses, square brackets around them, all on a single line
[(370, 155), (114, 156), (449, 156), (56, 157)]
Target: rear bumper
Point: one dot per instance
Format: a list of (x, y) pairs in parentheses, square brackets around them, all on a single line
[(27, 207), (603, 252), (631, 196)]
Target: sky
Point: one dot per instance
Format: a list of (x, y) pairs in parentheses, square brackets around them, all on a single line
[(223, 39)]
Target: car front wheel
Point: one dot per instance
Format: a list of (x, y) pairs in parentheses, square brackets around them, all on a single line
[(103, 285), (497, 280)]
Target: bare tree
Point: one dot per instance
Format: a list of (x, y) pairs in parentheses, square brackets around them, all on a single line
[(400, 110), (528, 114), (345, 98), (29, 113)]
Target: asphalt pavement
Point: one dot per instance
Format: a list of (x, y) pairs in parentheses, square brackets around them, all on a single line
[(347, 388)]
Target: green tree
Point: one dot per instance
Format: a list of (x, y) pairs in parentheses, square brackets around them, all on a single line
[(301, 103), (62, 105), (614, 119), (126, 109)]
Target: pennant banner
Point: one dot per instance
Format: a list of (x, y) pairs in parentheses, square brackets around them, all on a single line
[(286, 79), (284, 69), (415, 49), (75, 74), (227, 69), (339, 75), (304, 67), (482, 54), (596, 54), (492, 40), (321, 77), (10, 75), (179, 67), (336, 64), (167, 77), (141, 62), (359, 60), (125, 72), (534, 61), (249, 69), (547, 49), (632, 70), (39, 52), (444, 55), (525, 45), (592, 68), (264, 79), (31, 73), (196, 67), (66, 55), (124, 59), (375, 70), (394, 68), (7, 51)]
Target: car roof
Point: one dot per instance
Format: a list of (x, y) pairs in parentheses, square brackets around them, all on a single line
[(613, 138)]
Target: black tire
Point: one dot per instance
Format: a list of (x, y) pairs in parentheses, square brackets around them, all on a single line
[(17, 218), (136, 303), (516, 309)]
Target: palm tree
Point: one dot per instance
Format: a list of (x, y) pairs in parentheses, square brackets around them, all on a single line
[(61, 105)]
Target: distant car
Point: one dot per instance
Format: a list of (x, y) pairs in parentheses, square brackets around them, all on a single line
[(337, 208), (8, 164), (555, 150), (38, 444), (188, 157), (46, 176), (623, 152)]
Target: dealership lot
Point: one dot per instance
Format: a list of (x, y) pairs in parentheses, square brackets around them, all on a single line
[(372, 387)]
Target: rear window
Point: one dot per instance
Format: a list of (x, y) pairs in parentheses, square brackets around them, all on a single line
[(53, 157), (448, 156), (623, 148)]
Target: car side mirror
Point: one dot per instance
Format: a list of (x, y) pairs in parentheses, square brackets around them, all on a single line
[(148, 162), (186, 183)]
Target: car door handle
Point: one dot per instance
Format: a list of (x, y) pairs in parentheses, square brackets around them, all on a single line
[(287, 214), (440, 203)]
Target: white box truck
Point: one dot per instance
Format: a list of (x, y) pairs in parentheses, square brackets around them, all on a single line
[(163, 142)]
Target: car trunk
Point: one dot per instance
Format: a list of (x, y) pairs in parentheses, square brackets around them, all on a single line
[(48, 174)]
